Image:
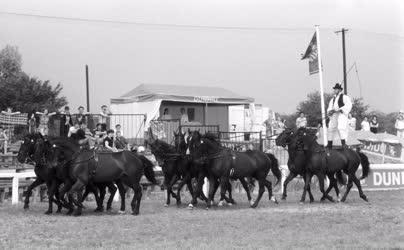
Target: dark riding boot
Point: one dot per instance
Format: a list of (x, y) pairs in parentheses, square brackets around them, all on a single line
[(328, 148), (343, 144)]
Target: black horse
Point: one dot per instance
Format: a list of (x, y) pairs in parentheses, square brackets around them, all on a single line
[(298, 159), (28, 152), (224, 164), (89, 166), (320, 164)]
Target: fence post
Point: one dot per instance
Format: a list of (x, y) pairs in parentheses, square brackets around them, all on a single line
[(14, 191), (261, 142)]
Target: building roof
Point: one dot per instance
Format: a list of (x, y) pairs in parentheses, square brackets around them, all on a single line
[(180, 93)]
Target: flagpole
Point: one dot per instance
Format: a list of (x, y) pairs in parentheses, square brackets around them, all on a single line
[(320, 69)]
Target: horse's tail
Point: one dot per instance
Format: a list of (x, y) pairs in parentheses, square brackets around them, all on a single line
[(365, 164), (341, 178), (148, 169), (275, 167)]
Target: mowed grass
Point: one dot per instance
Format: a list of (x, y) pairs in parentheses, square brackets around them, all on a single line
[(354, 224)]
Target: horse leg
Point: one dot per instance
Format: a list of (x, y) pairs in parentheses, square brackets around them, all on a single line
[(272, 197), (86, 193), (184, 181), (99, 199), (348, 188), (112, 191), (261, 190), (290, 177), (332, 185), (310, 194), (51, 192), (321, 177), (28, 193), (307, 181), (247, 190), (358, 185), (77, 188), (137, 197), (223, 188), (122, 192), (59, 204), (212, 185)]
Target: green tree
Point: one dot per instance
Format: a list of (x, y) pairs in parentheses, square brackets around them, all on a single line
[(22, 92), (10, 62), (311, 107)]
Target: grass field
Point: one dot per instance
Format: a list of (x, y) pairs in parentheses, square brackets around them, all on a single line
[(354, 224)]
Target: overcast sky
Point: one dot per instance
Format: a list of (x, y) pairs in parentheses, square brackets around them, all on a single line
[(260, 60)]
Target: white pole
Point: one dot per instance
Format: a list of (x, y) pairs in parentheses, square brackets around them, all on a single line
[(320, 69)]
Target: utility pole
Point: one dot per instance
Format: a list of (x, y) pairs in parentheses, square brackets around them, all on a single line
[(343, 30), (88, 92)]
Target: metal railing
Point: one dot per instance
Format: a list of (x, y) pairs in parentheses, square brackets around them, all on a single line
[(241, 141)]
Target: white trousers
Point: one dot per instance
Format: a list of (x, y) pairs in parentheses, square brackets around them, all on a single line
[(338, 127)]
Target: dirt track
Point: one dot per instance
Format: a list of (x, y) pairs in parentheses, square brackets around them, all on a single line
[(354, 224)]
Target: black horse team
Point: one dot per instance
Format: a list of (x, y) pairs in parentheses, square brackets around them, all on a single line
[(70, 171)]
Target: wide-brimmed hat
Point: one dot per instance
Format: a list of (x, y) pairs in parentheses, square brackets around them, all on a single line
[(337, 86)]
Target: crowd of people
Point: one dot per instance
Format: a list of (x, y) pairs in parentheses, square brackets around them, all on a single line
[(75, 127)]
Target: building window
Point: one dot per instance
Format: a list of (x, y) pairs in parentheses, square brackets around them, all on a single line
[(191, 114)]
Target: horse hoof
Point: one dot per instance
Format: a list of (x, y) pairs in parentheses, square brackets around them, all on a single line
[(70, 212), (77, 214), (273, 198), (301, 203), (251, 202), (365, 198), (190, 206), (59, 211), (135, 213), (166, 205), (26, 207), (254, 205), (220, 204), (283, 198), (230, 204), (311, 200), (178, 203), (121, 212), (109, 209), (48, 212)]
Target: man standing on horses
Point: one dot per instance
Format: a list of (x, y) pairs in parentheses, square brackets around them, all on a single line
[(338, 109)]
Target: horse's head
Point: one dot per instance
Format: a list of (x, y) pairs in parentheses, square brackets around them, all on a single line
[(179, 142), (27, 148), (285, 138), (193, 141)]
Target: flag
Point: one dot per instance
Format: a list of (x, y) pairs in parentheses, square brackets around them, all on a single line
[(312, 55)]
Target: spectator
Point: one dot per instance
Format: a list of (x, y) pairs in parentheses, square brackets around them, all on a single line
[(9, 129), (374, 125), (3, 139), (301, 121), (73, 130), (65, 122), (109, 141), (44, 121), (351, 122), (31, 123), (118, 128), (166, 115), (99, 133), (120, 141), (184, 117), (365, 124), (104, 116), (279, 126), (81, 116), (268, 127), (399, 125)]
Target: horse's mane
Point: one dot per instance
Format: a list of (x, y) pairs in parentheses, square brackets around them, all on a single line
[(65, 143), (163, 147)]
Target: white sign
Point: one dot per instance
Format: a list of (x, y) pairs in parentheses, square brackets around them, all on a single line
[(206, 99)]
